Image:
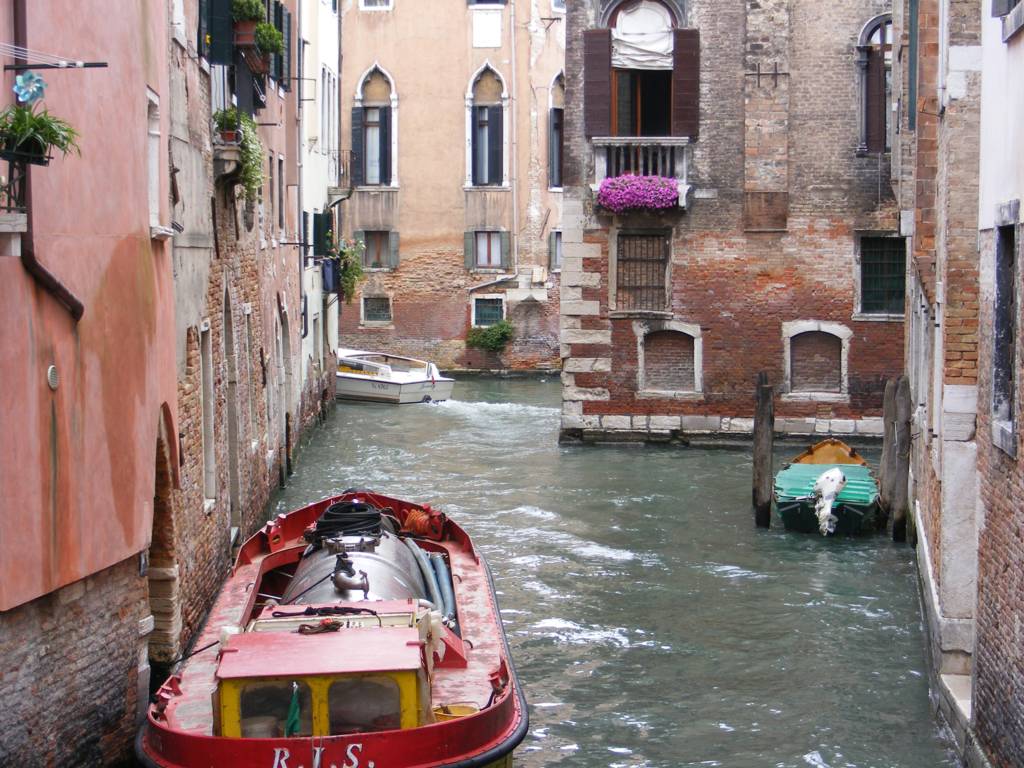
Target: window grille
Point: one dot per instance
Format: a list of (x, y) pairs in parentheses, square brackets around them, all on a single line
[(376, 309), (882, 275), (642, 264), (488, 311)]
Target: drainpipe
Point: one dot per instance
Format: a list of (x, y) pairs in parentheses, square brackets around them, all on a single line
[(46, 279), (514, 160)]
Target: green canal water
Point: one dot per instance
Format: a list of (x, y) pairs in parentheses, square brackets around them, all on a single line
[(650, 623)]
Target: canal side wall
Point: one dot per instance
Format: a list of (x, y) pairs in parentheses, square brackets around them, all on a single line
[(763, 266)]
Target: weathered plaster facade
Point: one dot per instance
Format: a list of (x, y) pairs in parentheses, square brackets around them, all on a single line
[(764, 249), (430, 202), (88, 388)]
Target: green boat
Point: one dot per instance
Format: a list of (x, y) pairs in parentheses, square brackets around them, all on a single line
[(854, 507)]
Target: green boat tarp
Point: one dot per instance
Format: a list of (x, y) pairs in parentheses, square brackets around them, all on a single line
[(855, 507)]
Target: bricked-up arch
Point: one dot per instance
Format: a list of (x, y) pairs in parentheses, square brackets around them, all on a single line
[(816, 360), (669, 358), (874, 64), (668, 361)]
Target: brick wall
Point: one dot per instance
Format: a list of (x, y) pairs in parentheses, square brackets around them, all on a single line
[(999, 639), (668, 361), (69, 682), (815, 359), (793, 136)]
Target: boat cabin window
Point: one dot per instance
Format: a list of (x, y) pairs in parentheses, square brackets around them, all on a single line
[(364, 704), (265, 706)]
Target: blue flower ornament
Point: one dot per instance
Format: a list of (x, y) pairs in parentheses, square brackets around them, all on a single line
[(29, 87)]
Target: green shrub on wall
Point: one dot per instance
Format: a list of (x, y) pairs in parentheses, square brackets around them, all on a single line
[(492, 338)]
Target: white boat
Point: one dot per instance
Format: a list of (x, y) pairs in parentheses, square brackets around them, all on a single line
[(381, 378)]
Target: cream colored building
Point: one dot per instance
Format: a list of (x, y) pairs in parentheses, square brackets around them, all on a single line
[(452, 111)]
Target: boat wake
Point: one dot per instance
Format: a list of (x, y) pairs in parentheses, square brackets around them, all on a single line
[(517, 411)]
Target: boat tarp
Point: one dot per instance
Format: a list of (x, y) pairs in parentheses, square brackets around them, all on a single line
[(797, 481)]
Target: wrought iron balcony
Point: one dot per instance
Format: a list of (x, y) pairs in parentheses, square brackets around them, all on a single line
[(667, 156), (12, 187)]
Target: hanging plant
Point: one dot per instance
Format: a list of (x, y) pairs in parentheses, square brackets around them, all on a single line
[(348, 258), (269, 39), (251, 175), (634, 193), (247, 10), (31, 134), (492, 338)]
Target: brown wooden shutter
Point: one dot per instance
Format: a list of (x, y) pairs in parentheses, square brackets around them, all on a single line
[(597, 82), (686, 83), (874, 106)]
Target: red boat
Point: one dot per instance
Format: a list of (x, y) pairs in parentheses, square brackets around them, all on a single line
[(358, 632)]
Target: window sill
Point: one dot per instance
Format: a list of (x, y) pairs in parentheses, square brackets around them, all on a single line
[(208, 505), (487, 188), (669, 394), (376, 187), (490, 271), (880, 317), (160, 232), (1003, 433), (370, 325), (639, 313), (556, 189), (815, 397), (378, 269)]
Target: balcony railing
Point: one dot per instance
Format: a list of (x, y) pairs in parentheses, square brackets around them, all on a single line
[(12, 187), (643, 156)]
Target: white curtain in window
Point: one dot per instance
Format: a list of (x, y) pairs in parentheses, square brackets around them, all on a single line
[(642, 37)]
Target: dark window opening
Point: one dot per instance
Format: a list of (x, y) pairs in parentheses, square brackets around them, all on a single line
[(642, 102), (375, 253), (641, 272), (1003, 357), (882, 275), (376, 309)]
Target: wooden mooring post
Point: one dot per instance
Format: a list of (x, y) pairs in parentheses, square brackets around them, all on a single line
[(894, 467), (764, 434)]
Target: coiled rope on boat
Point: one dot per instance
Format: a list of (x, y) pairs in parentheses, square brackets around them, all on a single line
[(346, 518)]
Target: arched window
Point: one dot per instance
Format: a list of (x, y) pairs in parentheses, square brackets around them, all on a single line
[(642, 72), (816, 360), (374, 130), (556, 132), (485, 104), (874, 60)]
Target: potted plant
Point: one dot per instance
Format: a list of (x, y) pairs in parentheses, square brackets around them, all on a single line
[(226, 121), (638, 193), (246, 14), (347, 263), (30, 134)]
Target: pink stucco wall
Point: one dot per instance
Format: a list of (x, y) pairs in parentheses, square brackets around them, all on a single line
[(77, 464)]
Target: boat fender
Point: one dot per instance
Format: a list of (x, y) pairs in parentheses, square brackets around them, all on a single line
[(826, 489), (427, 571), (436, 643), (444, 581)]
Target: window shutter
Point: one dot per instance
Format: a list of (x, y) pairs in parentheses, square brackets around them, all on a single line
[(330, 275), (245, 88), (555, 147), (305, 233), (597, 82), (478, 176), (552, 246), (393, 249), (203, 28), (385, 146), (222, 32), (874, 106), (469, 249), (286, 61), (274, 17), (321, 228), (495, 146), (506, 248), (686, 83), (358, 164)]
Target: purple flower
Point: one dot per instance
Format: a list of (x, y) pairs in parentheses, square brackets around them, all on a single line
[(625, 193)]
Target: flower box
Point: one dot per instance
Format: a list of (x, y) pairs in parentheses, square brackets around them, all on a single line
[(245, 34), (620, 194)]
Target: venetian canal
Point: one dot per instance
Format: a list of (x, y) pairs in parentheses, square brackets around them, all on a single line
[(650, 622)]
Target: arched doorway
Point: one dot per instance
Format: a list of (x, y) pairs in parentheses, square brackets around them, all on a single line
[(231, 359)]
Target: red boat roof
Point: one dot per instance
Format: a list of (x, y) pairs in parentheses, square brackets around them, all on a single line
[(290, 654)]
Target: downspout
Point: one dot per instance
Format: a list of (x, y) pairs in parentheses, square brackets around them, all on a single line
[(300, 220), (46, 279), (514, 160)]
